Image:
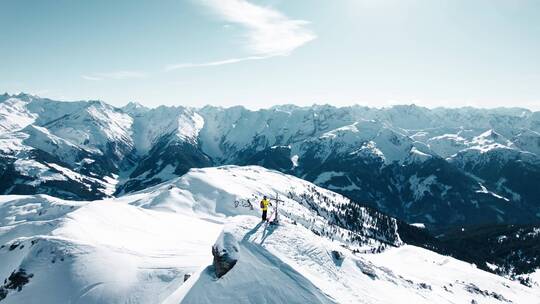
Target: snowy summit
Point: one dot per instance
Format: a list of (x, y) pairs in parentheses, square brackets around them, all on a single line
[(159, 240)]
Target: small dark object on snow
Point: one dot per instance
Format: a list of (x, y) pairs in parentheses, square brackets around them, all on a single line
[(424, 286), (486, 293), (13, 246), (367, 269), (187, 276), (338, 256)]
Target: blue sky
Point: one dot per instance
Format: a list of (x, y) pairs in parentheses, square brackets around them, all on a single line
[(259, 53)]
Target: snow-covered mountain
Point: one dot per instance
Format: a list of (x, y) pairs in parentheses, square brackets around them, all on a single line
[(155, 246), (440, 167)]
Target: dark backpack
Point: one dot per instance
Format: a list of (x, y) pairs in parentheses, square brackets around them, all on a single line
[(262, 205)]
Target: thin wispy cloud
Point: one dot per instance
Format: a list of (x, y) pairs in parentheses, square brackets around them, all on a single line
[(116, 75), (212, 63), (269, 33), (92, 78)]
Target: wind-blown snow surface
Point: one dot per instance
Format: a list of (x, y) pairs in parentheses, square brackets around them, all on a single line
[(154, 246)]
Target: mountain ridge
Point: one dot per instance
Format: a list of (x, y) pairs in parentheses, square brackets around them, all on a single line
[(158, 240), (136, 104), (418, 164)]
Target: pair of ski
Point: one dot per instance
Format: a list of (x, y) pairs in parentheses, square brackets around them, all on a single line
[(273, 219)]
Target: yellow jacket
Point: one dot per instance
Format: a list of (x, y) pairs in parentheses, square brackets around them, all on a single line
[(264, 204)]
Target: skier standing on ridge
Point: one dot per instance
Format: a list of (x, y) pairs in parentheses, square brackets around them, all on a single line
[(264, 207)]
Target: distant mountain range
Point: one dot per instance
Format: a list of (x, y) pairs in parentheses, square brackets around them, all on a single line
[(443, 168)]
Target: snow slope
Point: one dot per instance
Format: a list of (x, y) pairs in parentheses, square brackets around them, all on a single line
[(149, 125), (96, 126), (258, 277), (153, 246), (274, 260), (13, 115), (103, 252)]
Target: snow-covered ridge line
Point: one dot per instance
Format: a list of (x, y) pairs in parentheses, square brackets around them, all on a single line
[(287, 108), (158, 242), (336, 216)]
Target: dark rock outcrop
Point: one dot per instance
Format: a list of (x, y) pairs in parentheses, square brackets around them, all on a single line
[(226, 253), (15, 281)]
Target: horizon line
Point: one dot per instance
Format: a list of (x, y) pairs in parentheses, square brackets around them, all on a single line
[(386, 106)]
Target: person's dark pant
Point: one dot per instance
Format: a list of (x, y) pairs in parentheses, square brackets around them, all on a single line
[(264, 215)]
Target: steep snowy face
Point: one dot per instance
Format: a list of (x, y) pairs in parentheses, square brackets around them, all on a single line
[(150, 125), (134, 109), (528, 140), (93, 125), (446, 145), (41, 138), (326, 249), (408, 117), (19, 111), (68, 149), (97, 126), (338, 141), (369, 141), (14, 116), (166, 146)]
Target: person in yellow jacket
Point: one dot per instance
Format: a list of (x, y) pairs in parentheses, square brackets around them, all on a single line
[(264, 206)]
